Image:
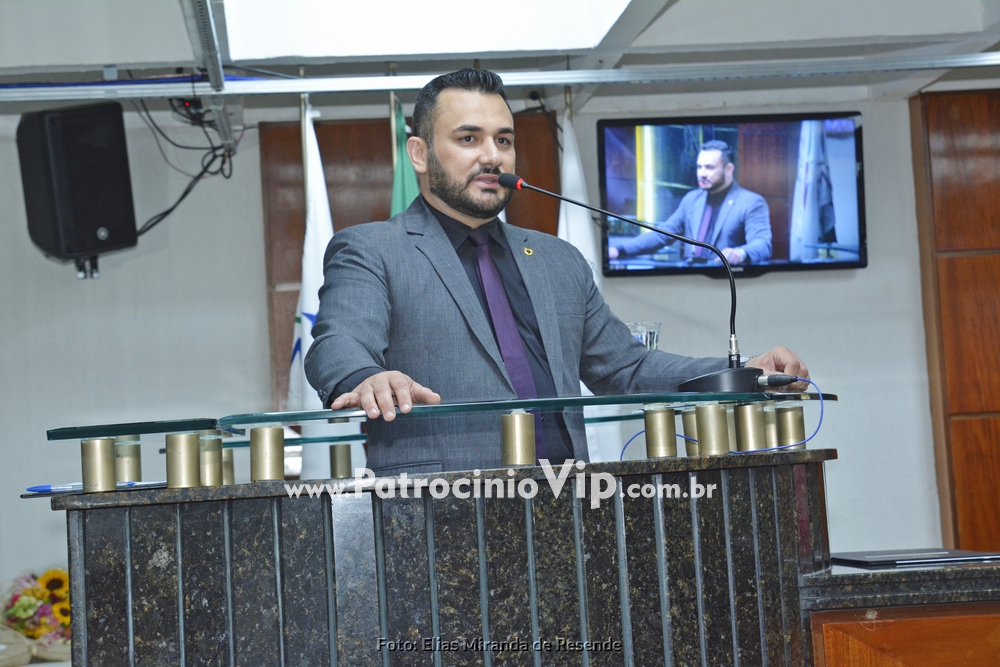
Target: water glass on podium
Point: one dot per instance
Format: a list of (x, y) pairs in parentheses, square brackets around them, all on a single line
[(646, 333)]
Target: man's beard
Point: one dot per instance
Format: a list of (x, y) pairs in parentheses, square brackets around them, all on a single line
[(456, 194)]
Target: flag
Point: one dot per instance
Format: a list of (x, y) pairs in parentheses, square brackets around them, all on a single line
[(404, 179), (575, 223), (319, 231), (813, 220)]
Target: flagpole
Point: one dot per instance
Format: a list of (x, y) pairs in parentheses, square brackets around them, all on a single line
[(392, 128), (303, 119)]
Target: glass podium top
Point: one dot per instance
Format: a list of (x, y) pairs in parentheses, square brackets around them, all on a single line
[(238, 423)]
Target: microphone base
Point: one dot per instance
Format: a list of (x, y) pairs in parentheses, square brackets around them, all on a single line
[(727, 381)]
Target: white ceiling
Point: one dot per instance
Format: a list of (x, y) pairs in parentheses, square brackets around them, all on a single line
[(311, 29), (48, 40)]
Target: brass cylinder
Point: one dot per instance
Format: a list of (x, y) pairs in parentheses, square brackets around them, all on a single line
[(128, 458), (518, 428), (267, 453), (661, 431), (183, 461), (228, 470), (750, 435), (770, 424), (210, 457), (98, 459), (340, 461), (690, 431), (713, 429), (791, 426)]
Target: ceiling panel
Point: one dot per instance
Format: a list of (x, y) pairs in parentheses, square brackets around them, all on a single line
[(76, 34), (711, 23)]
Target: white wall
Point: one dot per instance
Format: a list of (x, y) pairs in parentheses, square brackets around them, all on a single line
[(177, 327), (174, 328), (860, 331)]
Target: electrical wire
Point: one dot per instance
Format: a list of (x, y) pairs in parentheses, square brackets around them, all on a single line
[(159, 146), (819, 425), (621, 457)]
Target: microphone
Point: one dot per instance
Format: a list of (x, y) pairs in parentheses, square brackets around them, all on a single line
[(735, 379)]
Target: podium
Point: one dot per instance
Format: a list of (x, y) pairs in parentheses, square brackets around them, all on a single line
[(713, 560), (663, 561), (247, 575)]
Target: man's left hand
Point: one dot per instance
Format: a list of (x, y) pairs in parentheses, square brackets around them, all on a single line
[(734, 255), (782, 360)]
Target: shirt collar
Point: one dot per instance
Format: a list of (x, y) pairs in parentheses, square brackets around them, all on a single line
[(458, 232), (716, 198)]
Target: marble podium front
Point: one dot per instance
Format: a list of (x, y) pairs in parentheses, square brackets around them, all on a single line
[(247, 575)]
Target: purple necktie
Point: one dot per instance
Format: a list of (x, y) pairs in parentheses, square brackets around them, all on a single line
[(706, 221), (515, 359)]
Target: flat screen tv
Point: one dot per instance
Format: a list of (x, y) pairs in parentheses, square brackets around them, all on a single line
[(775, 193)]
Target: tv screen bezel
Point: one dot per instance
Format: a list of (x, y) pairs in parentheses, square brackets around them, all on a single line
[(747, 271)]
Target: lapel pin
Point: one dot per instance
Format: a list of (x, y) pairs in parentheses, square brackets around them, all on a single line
[(529, 252)]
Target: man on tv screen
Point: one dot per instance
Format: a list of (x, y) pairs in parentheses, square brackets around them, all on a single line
[(719, 212)]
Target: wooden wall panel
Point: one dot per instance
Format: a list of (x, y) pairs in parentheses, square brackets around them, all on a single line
[(975, 447), (538, 164), (936, 636), (963, 132), (357, 163), (956, 147), (763, 151), (970, 313)]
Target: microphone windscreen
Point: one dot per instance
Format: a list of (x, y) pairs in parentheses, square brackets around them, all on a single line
[(510, 181)]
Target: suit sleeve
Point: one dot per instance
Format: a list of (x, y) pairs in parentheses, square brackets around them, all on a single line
[(614, 362), (757, 231), (650, 241), (352, 327)]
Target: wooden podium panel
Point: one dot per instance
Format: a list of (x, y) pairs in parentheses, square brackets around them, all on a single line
[(936, 636)]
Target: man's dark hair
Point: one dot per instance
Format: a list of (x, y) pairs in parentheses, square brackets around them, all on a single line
[(474, 80), (722, 147)]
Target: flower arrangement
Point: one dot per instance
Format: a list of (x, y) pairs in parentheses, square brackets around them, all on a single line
[(39, 607)]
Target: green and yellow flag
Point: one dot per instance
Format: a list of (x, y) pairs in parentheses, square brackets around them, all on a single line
[(404, 179)]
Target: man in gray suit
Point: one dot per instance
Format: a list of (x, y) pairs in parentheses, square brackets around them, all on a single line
[(719, 211), (444, 302)]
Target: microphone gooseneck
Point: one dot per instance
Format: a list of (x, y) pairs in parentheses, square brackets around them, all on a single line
[(515, 182)]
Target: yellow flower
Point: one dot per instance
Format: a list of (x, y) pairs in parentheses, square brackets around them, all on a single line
[(55, 581), (61, 611)]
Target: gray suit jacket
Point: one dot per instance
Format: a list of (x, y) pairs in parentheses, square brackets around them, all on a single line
[(396, 296), (744, 222)]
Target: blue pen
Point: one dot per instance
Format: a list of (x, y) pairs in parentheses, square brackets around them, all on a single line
[(75, 486)]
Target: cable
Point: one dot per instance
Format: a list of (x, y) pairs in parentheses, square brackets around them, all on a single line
[(819, 425), (158, 145), (621, 457)]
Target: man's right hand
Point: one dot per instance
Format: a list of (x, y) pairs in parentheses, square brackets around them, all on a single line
[(377, 393), (612, 252)]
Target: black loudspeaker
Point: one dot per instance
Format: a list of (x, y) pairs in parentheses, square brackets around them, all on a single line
[(77, 189)]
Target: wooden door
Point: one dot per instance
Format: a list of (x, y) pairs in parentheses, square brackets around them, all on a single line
[(357, 163), (956, 142)]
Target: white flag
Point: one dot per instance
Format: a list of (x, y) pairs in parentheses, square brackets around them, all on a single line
[(575, 223), (319, 231), (812, 207)]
